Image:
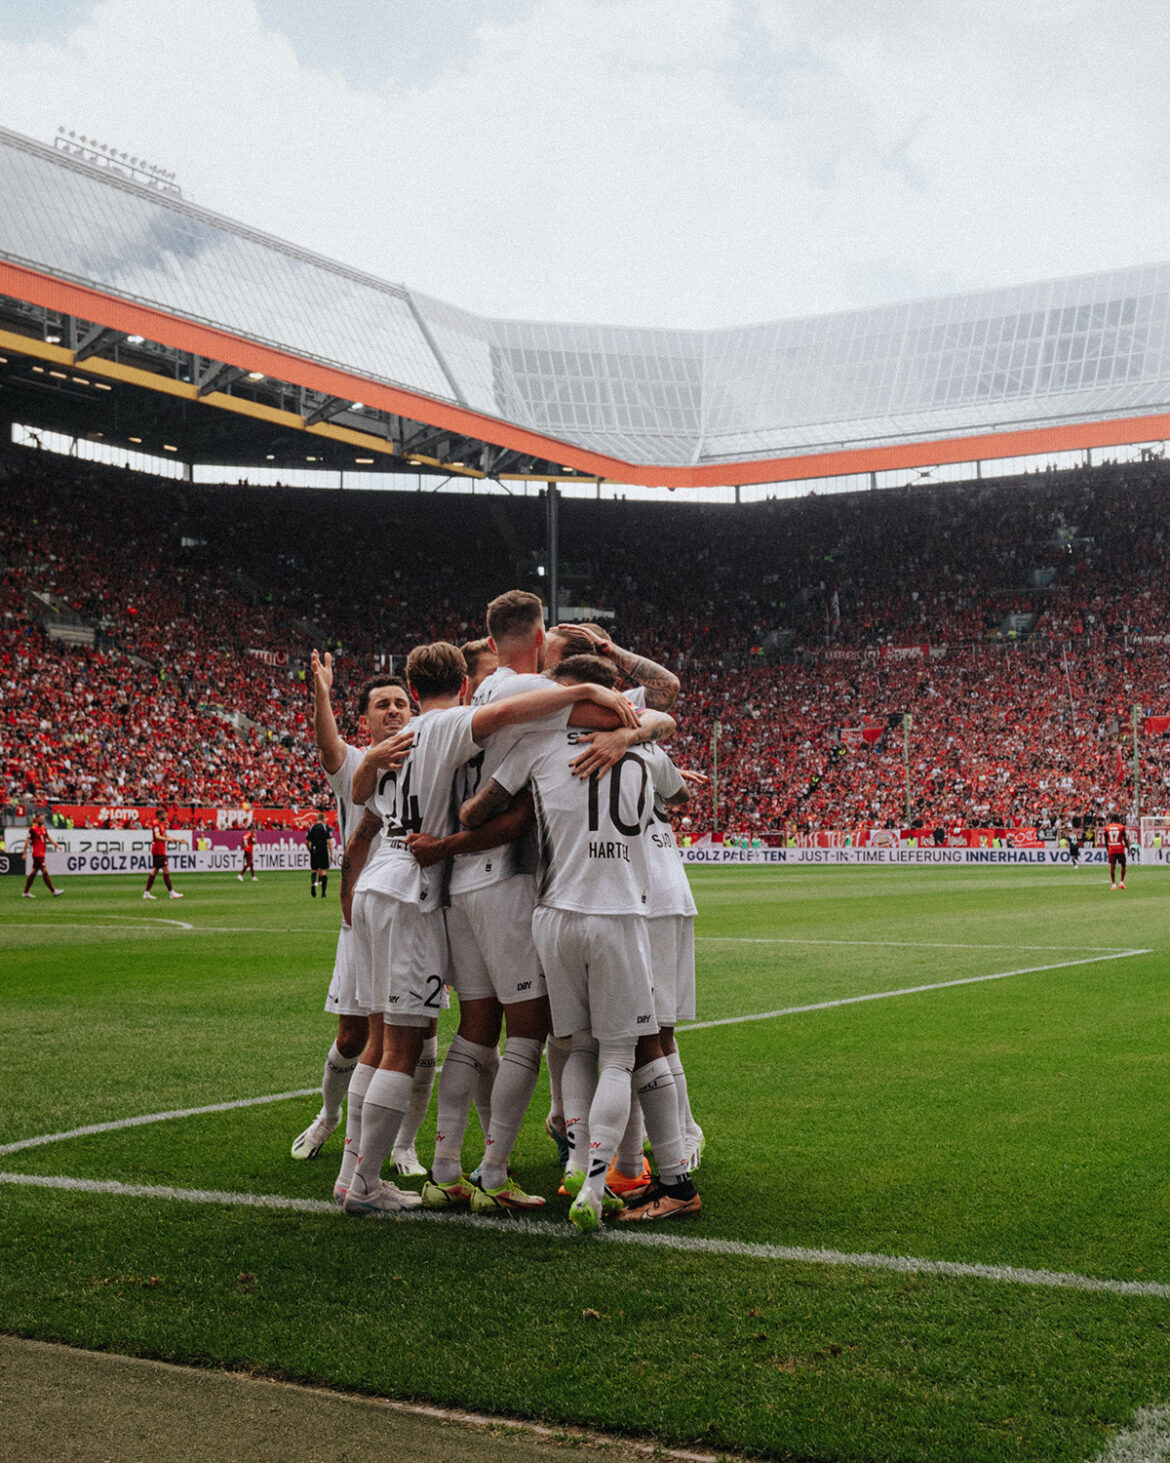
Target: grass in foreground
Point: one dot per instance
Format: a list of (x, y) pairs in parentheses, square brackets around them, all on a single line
[(1011, 1122)]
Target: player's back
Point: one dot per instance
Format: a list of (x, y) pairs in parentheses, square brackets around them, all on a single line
[(594, 856)]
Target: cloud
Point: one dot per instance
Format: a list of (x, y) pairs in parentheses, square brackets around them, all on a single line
[(674, 162)]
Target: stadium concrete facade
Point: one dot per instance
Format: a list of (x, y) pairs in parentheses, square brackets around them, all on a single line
[(101, 266)]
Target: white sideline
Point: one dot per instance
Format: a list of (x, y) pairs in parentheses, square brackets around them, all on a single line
[(153, 1117), (912, 990), (686, 1244), (898, 944), (1146, 1440)]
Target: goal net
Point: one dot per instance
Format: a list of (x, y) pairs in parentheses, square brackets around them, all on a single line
[(1156, 833)]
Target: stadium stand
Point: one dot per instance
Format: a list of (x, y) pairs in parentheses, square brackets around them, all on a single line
[(1018, 622)]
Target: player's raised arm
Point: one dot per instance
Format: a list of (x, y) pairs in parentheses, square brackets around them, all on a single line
[(330, 747), (661, 686)]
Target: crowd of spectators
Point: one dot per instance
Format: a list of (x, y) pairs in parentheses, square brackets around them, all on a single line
[(1017, 623)]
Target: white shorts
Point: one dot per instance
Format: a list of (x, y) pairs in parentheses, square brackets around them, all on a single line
[(342, 998), (598, 972), (399, 958), (492, 951), (672, 959)]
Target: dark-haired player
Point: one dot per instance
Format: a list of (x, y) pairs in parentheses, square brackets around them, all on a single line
[(383, 710), (160, 839), (1117, 847), (37, 839), (249, 850)]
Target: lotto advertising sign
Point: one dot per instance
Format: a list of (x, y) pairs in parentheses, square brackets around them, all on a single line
[(97, 851)]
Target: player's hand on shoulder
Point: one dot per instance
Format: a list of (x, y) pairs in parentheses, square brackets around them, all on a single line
[(614, 701), (604, 749), (391, 753)]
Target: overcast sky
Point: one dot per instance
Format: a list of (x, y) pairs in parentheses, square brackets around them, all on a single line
[(659, 162)]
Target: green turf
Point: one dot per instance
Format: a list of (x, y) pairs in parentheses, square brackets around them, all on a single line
[(1010, 1122)]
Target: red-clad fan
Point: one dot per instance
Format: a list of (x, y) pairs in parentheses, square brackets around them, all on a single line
[(37, 840), (249, 853), (1117, 846), (159, 841)]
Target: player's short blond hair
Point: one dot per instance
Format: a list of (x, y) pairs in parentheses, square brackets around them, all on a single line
[(473, 651), (514, 615), (435, 670)]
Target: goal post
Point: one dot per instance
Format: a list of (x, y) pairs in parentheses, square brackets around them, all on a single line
[(1156, 833)]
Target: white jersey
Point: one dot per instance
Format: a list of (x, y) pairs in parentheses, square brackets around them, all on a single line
[(417, 799), (478, 870), (671, 891), (594, 855)]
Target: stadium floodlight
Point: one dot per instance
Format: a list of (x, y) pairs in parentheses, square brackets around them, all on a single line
[(135, 339), (356, 406), (271, 457), (255, 375), (136, 439), (168, 448)]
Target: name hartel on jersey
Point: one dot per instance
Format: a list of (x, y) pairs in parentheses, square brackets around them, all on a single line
[(601, 849)]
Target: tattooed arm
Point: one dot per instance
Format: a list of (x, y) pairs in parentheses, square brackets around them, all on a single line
[(661, 686), (353, 860)]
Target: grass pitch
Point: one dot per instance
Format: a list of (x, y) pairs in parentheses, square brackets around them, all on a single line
[(934, 1222)]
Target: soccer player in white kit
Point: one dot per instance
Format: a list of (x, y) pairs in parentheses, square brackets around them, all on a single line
[(383, 709), (396, 906), (495, 968), (591, 932)]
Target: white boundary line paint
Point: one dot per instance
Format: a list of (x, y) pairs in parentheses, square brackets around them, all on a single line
[(154, 1117), (152, 919), (1146, 1440), (903, 944), (912, 990), (685, 1244)]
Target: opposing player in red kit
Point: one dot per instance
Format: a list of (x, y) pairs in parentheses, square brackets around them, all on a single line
[(1117, 847), (38, 838), (159, 839), (249, 847)]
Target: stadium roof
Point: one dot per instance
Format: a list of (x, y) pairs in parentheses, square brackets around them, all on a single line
[(150, 293)]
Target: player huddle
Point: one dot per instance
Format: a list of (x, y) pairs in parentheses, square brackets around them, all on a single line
[(506, 835)]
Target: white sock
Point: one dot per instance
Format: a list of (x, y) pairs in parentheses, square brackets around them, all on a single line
[(608, 1112), (483, 1091), (629, 1154), (335, 1083), (457, 1086), (557, 1054), (387, 1099), (515, 1084), (359, 1084), (659, 1102), (685, 1116), (421, 1086), (579, 1083)]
